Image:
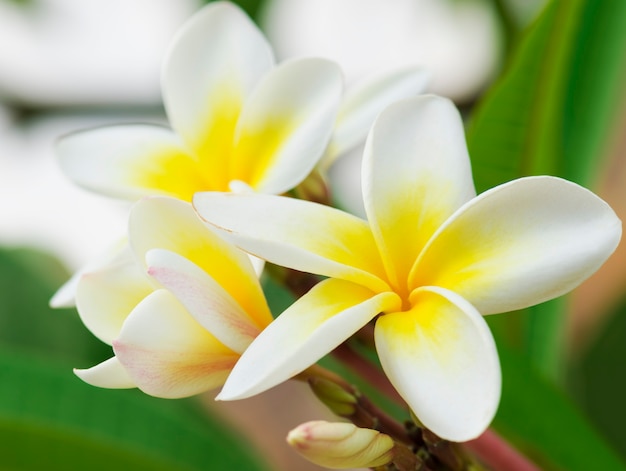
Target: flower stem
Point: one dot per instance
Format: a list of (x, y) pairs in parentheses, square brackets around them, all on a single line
[(361, 411), (494, 451), (367, 371), (490, 448)]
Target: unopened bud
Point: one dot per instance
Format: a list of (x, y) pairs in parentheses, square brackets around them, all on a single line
[(336, 398), (341, 445)]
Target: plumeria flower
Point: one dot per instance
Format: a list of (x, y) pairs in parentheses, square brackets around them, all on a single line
[(239, 121), (428, 261), (179, 305)]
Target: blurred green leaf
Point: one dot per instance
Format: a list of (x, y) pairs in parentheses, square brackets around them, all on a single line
[(545, 423), (28, 279), (552, 112), (50, 420), (599, 382)]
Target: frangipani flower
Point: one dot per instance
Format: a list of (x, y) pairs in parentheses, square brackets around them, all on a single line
[(179, 306), (236, 117), (429, 260)]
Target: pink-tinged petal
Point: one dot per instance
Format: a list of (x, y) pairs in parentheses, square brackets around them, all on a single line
[(213, 65), (416, 173), (297, 234), (208, 302), (312, 327), (130, 161), (285, 126), (166, 223), (105, 298), (167, 353), (442, 359), (66, 294), (521, 243), (108, 374), (365, 101)]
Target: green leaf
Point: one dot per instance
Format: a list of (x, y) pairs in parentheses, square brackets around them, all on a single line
[(28, 279), (553, 112), (598, 378), (546, 424), (50, 420)]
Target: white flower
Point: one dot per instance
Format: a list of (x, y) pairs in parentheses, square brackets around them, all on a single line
[(179, 304), (428, 261), (236, 118)]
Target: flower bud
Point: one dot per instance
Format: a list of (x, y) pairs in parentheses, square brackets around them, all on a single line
[(341, 445), (336, 398)]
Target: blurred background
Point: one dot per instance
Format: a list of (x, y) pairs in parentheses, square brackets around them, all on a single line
[(541, 86)]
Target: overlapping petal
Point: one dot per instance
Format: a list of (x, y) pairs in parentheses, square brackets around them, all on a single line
[(286, 124), (520, 244), (213, 65), (416, 173), (108, 374), (309, 329), (442, 359), (170, 224), (66, 294), (130, 161), (105, 297), (208, 302), (297, 234), (167, 353), (362, 103)]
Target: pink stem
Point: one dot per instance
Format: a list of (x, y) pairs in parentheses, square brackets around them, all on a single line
[(496, 453), (366, 371)]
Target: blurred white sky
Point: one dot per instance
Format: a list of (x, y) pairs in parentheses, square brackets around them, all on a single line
[(64, 55), (457, 40), (59, 53)]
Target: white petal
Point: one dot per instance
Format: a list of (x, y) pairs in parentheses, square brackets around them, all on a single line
[(521, 243), (130, 161), (313, 326), (108, 374), (66, 294), (442, 359), (166, 223), (285, 126), (167, 353), (105, 298), (297, 234), (365, 101), (208, 302), (416, 173), (214, 63)]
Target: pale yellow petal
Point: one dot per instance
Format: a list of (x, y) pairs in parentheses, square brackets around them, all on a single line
[(166, 223), (213, 65), (313, 326), (297, 234), (416, 173), (131, 161), (443, 361), (167, 353), (520, 244), (105, 297), (286, 124), (108, 374)]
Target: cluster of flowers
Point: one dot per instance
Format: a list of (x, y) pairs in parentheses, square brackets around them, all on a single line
[(180, 301)]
